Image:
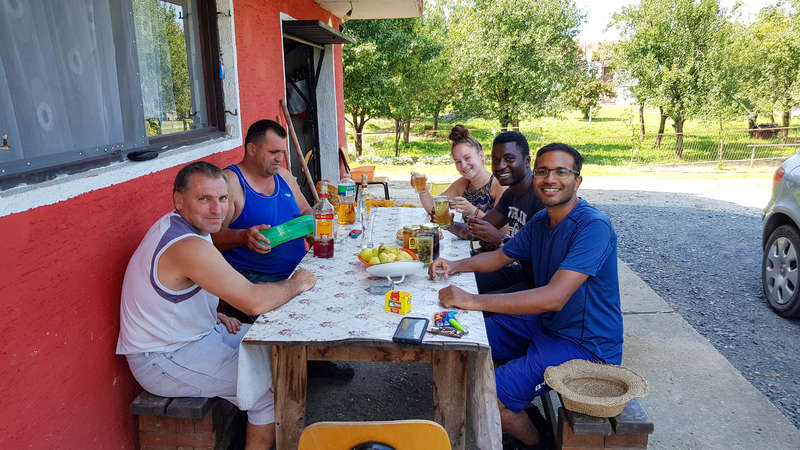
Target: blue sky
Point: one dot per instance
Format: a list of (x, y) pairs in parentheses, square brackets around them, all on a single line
[(598, 14)]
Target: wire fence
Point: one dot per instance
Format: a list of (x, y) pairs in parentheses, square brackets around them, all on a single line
[(672, 148), (745, 146)]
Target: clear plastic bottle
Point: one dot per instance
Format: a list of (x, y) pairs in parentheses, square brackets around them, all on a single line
[(323, 224), (364, 199), (347, 197)]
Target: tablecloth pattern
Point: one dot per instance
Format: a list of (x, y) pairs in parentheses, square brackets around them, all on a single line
[(340, 307)]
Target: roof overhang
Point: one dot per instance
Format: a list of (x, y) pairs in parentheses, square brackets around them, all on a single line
[(313, 31), (373, 9)]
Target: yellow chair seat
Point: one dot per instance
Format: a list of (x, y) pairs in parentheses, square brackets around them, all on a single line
[(400, 434)]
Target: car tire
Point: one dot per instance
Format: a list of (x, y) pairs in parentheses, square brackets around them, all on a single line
[(780, 271)]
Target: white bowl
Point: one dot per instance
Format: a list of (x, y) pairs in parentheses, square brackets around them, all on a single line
[(395, 269)]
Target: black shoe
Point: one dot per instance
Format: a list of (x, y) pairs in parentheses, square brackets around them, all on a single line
[(328, 369)]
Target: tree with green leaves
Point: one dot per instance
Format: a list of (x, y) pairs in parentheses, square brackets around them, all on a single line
[(776, 40), (367, 79), (514, 57), (437, 84), (386, 73), (587, 90), (666, 47)]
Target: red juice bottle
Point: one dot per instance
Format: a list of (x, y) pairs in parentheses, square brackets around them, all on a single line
[(323, 224)]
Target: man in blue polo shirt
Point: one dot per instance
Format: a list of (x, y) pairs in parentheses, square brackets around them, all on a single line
[(574, 309)]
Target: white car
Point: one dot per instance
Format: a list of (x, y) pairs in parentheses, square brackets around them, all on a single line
[(780, 274)]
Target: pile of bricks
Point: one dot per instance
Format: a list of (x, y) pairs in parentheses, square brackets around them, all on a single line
[(199, 423)]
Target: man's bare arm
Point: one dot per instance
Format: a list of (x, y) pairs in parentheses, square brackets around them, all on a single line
[(226, 238), (482, 262), (198, 261), (551, 297)]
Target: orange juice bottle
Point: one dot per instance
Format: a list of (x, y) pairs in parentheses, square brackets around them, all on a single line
[(347, 197)]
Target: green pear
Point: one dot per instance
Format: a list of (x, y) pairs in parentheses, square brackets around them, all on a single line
[(374, 260), (366, 254), (386, 257), (403, 256)]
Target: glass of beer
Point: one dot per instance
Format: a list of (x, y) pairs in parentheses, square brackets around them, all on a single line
[(441, 210), (420, 182)]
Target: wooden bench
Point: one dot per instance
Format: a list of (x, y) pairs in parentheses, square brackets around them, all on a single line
[(630, 429), (181, 422)]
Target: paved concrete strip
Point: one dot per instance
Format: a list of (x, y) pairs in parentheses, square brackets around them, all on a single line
[(637, 296), (697, 398)]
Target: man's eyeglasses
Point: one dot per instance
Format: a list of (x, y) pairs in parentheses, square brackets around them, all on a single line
[(561, 172)]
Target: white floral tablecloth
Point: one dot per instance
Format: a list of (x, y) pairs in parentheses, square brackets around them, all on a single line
[(339, 310), (340, 307)]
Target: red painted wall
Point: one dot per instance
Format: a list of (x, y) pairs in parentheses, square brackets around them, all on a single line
[(62, 266)]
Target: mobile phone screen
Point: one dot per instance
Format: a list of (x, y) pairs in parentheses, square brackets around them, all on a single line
[(410, 330)]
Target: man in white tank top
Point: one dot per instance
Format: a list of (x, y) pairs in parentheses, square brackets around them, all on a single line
[(176, 343)]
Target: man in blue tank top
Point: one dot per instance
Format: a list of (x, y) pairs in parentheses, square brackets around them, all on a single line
[(572, 311), (263, 194)]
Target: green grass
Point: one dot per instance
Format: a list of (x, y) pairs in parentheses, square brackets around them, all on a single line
[(608, 140)]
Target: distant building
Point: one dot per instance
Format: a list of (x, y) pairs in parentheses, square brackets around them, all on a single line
[(596, 58)]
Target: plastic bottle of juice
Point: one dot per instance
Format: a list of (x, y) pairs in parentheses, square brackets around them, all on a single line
[(347, 197), (323, 224)]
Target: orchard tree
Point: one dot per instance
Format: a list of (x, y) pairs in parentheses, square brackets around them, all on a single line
[(667, 45), (776, 36), (367, 80), (587, 89), (514, 56)]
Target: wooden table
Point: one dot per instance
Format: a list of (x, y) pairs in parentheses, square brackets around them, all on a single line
[(339, 320)]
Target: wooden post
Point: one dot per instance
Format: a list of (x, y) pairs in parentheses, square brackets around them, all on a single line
[(289, 383), (300, 156), (288, 154), (450, 394)]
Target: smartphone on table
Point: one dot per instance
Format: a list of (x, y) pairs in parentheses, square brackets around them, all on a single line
[(410, 330)]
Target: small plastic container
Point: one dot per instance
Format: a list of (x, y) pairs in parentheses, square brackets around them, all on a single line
[(287, 231)]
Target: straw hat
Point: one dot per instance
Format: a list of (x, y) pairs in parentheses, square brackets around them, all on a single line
[(600, 390)]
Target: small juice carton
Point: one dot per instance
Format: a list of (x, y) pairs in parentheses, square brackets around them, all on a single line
[(398, 302)]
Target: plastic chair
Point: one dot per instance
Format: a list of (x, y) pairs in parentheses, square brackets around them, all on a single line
[(400, 434)]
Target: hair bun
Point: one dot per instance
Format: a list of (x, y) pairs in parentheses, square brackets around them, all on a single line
[(458, 132)]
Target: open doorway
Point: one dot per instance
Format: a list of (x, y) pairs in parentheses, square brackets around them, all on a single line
[(308, 61), (301, 100)]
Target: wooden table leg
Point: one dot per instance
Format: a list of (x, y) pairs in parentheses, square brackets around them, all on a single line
[(289, 383), (450, 394), (483, 413)]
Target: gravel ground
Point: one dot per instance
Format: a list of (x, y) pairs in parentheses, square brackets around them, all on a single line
[(703, 256), (696, 243)]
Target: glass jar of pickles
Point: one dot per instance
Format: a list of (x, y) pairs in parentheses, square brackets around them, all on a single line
[(425, 246), (433, 228)]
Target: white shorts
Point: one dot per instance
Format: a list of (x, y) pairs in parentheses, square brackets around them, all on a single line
[(204, 368)]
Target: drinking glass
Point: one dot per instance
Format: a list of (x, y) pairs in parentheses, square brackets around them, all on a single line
[(441, 210), (420, 182)]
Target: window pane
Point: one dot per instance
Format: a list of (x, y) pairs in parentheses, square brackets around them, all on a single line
[(84, 79), (161, 39)]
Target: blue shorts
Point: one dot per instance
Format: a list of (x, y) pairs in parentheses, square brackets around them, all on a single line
[(526, 349)]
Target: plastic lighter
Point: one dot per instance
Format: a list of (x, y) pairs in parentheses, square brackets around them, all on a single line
[(398, 302)]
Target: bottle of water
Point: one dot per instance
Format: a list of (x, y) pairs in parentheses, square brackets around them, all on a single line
[(364, 200)]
